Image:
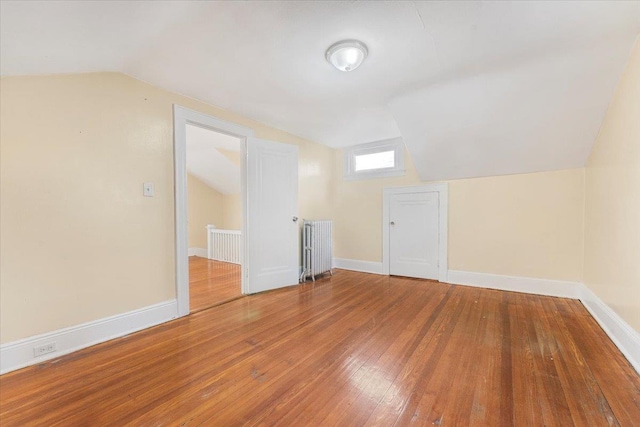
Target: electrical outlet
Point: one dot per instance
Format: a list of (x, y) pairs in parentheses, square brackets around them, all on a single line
[(44, 349)]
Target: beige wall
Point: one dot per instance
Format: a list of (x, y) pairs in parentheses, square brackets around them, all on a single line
[(227, 213), (612, 213), (527, 225), (234, 156), (520, 225), (79, 242), (232, 212), (358, 214), (204, 206)]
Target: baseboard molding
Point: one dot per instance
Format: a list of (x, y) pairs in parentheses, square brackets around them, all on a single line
[(201, 252), (621, 333), (358, 265), (553, 288), (19, 354)]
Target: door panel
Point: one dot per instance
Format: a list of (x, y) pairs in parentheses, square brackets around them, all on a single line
[(272, 203), (413, 235)]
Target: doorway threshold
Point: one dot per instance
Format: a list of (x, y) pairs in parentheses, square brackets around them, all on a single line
[(217, 303)]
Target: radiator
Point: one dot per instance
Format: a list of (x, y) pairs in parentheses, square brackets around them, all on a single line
[(316, 248), (223, 245)]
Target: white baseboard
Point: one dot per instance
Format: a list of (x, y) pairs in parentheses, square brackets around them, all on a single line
[(19, 354), (201, 252), (358, 265), (621, 333), (553, 288)]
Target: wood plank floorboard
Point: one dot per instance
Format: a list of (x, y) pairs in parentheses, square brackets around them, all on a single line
[(212, 282), (350, 350)]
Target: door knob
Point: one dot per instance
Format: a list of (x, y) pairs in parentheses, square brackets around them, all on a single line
[(295, 219), (393, 223)]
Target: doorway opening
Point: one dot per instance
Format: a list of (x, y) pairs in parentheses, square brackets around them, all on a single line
[(214, 216), (269, 237), (185, 120)]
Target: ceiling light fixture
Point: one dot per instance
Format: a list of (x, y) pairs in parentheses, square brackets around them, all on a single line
[(347, 55)]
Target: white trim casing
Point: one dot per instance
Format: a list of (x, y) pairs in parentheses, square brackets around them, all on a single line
[(350, 153), (19, 354), (244, 179), (199, 252), (443, 223), (180, 200), (553, 288), (358, 265), (621, 333), (181, 117)]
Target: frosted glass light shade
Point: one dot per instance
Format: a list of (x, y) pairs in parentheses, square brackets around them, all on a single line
[(347, 55)]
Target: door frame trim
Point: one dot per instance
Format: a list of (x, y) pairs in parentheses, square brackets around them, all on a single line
[(443, 215), (181, 117)]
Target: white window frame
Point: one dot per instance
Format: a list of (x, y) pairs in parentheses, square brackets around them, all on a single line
[(394, 144)]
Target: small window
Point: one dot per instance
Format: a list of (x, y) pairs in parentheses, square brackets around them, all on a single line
[(383, 160), (374, 160)]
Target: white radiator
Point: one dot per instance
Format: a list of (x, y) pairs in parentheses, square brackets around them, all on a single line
[(316, 248), (223, 245)]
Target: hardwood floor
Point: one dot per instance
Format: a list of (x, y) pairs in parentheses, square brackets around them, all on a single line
[(212, 282), (355, 349)]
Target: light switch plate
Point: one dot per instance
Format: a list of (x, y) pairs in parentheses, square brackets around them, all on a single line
[(147, 189)]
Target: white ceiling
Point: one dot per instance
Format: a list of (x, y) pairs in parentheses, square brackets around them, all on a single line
[(207, 163), (535, 116), (475, 88)]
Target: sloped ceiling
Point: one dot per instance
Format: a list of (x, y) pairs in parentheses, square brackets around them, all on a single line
[(475, 88), (211, 158), (535, 116)]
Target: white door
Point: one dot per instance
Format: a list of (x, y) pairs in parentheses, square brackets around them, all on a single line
[(272, 203), (413, 235)]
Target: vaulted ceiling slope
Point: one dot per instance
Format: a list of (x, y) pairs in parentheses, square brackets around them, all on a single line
[(475, 88), (214, 158)]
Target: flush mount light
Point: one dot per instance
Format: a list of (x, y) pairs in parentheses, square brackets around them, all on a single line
[(347, 55)]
